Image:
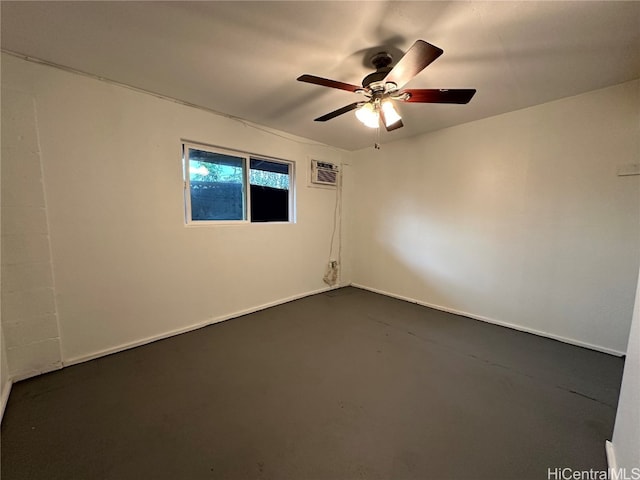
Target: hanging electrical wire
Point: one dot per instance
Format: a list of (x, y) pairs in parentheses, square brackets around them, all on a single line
[(332, 272)]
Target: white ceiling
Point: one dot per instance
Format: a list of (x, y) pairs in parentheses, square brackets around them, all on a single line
[(243, 58)]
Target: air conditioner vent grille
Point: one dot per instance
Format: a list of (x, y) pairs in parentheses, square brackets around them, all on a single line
[(324, 173), (325, 176)]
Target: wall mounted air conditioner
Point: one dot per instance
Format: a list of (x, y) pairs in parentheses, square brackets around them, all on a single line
[(324, 174)]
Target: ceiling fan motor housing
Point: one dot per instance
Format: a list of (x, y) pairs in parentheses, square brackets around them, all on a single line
[(382, 62)]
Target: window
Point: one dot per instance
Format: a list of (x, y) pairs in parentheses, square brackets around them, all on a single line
[(216, 186)]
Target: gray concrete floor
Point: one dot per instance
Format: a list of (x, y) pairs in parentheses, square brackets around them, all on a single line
[(343, 385)]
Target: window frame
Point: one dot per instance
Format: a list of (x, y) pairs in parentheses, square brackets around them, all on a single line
[(246, 185)]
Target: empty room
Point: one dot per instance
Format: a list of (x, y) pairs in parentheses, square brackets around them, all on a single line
[(320, 240)]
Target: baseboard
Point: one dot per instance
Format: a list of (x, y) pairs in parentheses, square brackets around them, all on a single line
[(6, 390), (521, 328), (210, 321), (23, 375), (611, 456)]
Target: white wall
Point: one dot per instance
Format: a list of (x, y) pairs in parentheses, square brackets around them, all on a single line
[(5, 380), (519, 218), (125, 266), (29, 319), (626, 434)]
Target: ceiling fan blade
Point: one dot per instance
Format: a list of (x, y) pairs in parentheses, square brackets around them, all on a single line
[(393, 126), (426, 95), (337, 112), (414, 61), (325, 82)]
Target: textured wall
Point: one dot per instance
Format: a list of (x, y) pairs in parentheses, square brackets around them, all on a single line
[(29, 316)]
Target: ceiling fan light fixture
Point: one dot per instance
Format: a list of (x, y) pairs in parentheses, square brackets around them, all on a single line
[(368, 115), (391, 115)]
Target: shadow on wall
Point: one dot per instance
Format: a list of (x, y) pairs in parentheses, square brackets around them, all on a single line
[(401, 261), (430, 259)]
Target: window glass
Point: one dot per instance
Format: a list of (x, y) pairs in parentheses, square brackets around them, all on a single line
[(269, 174), (216, 182), (269, 191)]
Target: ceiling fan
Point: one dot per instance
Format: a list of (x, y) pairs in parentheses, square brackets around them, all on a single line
[(385, 85)]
